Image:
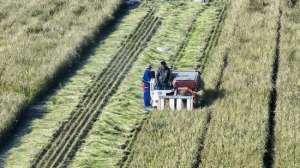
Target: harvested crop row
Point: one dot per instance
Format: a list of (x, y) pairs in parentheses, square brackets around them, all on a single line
[(109, 141), (236, 135), (193, 32), (169, 139), (46, 116), (287, 129), (180, 52), (208, 97), (68, 137)]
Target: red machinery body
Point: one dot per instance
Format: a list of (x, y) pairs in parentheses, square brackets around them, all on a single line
[(187, 79)]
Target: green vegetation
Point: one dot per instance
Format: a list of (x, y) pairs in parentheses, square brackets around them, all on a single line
[(109, 139), (170, 138), (57, 108), (250, 114), (237, 132), (37, 41), (287, 131)]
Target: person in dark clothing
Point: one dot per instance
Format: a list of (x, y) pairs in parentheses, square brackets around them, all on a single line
[(163, 77), (146, 86)]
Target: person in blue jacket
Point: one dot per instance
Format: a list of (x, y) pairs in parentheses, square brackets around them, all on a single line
[(148, 73)]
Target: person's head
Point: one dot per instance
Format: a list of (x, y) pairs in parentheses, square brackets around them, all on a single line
[(163, 64), (149, 66)]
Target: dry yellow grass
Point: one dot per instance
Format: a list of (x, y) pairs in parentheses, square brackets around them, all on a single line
[(237, 133), (170, 139), (38, 39), (287, 131), (238, 130)]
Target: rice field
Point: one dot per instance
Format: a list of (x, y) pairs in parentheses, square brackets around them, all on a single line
[(246, 50), (40, 41)]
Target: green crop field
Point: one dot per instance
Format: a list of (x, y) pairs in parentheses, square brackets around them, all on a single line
[(71, 74)]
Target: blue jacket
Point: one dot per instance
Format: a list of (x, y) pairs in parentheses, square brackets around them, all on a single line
[(147, 77)]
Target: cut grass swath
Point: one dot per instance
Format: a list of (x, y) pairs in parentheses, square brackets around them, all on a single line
[(64, 145), (57, 108), (163, 139)]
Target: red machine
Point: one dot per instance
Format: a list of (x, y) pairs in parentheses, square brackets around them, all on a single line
[(186, 85), (187, 79)]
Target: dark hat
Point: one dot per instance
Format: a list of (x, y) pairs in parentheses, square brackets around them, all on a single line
[(163, 63), (149, 66)]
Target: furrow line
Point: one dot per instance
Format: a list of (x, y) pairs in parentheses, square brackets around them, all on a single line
[(184, 43), (61, 142), (202, 138), (268, 158), (212, 40), (74, 125), (85, 98), (98, 106), (81, 127), (108, 87), (128, 157)]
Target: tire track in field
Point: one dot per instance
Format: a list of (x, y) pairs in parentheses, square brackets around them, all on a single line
[(62, 148), (179, 54), (128, 156), (200, 148), (213, 39), (268, 158)]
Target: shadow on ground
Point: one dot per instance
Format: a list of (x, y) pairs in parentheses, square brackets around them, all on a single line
[(210, 96)]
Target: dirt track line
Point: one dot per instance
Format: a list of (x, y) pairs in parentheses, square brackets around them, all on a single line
[(213, 39), (268, 158), (88, 98), (70, 135), (125, 69), (178, 55), (128, 156), (200, 148), (125, 162)]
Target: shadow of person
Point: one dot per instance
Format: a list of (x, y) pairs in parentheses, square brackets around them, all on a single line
[(210, 96)]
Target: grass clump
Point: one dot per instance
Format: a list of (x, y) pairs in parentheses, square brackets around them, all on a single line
[(40, 41)]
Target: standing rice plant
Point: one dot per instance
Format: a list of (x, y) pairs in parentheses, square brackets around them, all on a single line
[(287, 130), (40, 40)]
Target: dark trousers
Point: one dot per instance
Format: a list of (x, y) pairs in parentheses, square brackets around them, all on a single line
[(147, 97)]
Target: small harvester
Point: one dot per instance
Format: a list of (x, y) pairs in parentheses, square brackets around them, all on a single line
[(184, 94)]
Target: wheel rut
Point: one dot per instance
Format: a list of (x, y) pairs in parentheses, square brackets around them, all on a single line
[(71, 134), (128, 155), (201, 140), (213, 39), (268, 157)]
